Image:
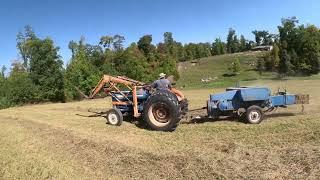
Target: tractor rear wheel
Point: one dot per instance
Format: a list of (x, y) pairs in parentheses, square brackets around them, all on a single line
[(161, 111), (254, 114), (114, 117)]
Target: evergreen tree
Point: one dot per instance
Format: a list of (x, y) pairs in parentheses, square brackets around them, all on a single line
[(260, 65), (235, 66), (118, 41), (275, 56), (284, 64), (235, 45), (3, 70), (144, 44), (243, 44), (168, 39), (230, 41)]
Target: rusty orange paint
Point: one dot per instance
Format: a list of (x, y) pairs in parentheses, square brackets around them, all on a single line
[(135, 102), (178, 93), (120, 103)]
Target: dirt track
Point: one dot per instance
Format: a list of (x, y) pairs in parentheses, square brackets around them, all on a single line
[(50, 141)]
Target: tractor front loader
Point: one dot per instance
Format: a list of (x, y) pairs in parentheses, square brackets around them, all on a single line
[(161, 110)]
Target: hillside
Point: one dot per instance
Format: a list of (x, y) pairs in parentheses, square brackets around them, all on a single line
[(50, 141), (215, 69)]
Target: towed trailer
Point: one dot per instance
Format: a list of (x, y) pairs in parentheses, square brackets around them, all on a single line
[(250, 103)]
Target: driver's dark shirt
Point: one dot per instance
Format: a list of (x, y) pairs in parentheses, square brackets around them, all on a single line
[(161, 84)]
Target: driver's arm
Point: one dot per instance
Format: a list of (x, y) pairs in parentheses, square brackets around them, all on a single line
[(169, 84), (154, 84)]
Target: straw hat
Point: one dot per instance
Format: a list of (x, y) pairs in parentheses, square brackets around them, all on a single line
[(162, 75)]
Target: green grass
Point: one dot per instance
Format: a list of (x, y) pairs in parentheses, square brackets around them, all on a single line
[(49, 141), (217, 66)]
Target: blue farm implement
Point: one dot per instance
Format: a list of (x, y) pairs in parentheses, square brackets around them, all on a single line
[(250, 103)]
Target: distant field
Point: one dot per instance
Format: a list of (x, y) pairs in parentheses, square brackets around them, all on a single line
[(216, 66), (50, 142)]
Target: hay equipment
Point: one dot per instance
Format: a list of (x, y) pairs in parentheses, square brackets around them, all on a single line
[(250, 103)]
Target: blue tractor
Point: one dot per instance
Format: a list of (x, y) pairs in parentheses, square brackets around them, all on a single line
[(250, 103), (161, 110)]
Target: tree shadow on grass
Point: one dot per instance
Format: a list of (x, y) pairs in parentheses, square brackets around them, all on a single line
[(282, 114), (206, 119), (138, 122), (229, 74)]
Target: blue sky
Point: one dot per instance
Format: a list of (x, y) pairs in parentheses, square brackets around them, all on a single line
[(188, 20)]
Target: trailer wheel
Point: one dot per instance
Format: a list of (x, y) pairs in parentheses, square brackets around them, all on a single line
[(254, 115), (161, 111), (114, 117)]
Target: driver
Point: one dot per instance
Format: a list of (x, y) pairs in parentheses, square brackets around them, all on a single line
[(162, 83)]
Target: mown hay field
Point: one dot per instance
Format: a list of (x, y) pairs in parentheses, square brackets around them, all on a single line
[(50, 141)]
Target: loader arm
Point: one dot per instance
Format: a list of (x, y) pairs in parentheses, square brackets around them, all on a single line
[(112, 81), (130, 83)]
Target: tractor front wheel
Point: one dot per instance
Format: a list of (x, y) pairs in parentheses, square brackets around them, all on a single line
[(114, 117), (162, 111), (254, 115)]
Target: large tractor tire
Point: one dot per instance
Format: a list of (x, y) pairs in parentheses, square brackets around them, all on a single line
[(161, 111)]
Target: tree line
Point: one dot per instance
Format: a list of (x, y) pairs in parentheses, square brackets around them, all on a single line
[(39, 74), (296, 50)]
